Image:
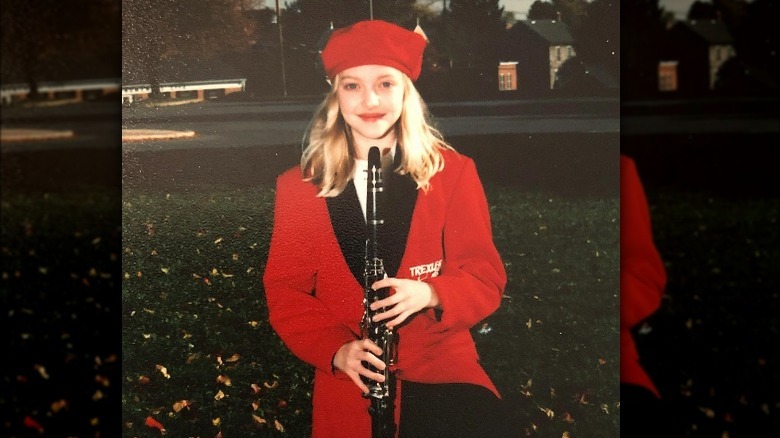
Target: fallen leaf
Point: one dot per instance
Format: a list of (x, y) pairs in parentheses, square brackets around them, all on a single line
[(143, 380), (32, 424), (154, 424), (234, 358), (258, 420), (271, 386), (602, 361), (279, 426), (163, 371), (216, 421), (220, 395), (547, 411), (42, 371), (255, 405), (225, 380), (103, 380), (59, 405), (605, 408), (567, 417), (181, 404)]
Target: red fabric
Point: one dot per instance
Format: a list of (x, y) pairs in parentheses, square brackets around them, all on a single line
[(374, 42), (642, 273), (315, 303)]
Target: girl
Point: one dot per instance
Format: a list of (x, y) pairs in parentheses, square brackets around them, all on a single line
[(443, 268)]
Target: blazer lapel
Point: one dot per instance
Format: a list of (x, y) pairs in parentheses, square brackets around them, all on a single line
[(348, 223), (400, 199)]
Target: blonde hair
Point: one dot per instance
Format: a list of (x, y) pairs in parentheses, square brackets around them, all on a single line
[(328, 158)]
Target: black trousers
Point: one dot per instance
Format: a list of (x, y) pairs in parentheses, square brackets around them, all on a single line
[(451, 410)]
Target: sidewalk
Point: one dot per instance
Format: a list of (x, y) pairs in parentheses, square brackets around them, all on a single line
[(20, 134), (17, 134), (153, 134)]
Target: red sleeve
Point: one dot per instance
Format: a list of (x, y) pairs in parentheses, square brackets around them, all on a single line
[(472, 278), (305, 324), (642, 273)]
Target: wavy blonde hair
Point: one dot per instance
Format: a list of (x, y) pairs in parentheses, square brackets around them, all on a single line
[(328, 156)]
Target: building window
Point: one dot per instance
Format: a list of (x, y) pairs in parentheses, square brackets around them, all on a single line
[(667, 76), (507, 74)]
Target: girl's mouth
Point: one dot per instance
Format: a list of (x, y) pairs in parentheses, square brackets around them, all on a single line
[(371, 117)]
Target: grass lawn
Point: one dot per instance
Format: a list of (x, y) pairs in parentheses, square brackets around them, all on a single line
[(712, 346), (199, 356), (190, 267), (60, 304)]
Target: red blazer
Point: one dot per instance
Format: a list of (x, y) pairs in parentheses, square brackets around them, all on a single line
[(315, 302), (642, 273)]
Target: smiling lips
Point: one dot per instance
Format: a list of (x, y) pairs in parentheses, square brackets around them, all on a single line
[(371, 117)]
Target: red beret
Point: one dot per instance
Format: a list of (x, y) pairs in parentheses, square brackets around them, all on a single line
[(374, 42)]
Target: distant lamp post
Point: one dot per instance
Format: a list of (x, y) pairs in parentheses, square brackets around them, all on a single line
[(321, 43), (281, 48)]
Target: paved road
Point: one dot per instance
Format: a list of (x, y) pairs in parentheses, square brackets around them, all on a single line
[(235, 125)]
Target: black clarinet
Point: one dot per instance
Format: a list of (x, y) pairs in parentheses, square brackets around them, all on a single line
[(382, 394)]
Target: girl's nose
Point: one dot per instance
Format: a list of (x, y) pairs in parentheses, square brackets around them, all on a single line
[(371, 98)]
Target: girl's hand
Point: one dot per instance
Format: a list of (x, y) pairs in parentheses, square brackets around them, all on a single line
[(351, 356), (410, 297)]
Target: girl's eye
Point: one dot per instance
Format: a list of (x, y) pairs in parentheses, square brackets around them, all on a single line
[(350, 86), (386, 84)]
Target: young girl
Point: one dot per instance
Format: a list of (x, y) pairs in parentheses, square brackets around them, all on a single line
[(443, 268)]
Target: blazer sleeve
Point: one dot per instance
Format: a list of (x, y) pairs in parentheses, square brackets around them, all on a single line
[(642, 273), (472, 278), (305, 324)]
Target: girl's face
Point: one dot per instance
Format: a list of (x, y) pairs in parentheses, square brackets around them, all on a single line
[(370, 99)]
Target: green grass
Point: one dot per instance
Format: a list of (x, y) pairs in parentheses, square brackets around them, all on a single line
[(59, 289), (193, 298), (711, 347)]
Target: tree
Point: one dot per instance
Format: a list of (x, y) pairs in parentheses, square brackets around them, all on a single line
[(155, 31), (473, 29), (53, 40), (572, 13), (700, 10), (641, 47), (598, 41), (542, 10)]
